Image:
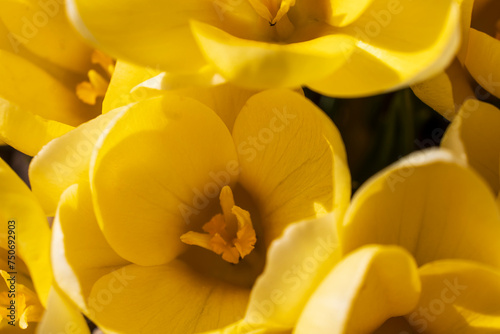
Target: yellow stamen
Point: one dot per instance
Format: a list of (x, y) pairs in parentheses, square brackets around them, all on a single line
[(230, 234), (89, 91), (28, 307)]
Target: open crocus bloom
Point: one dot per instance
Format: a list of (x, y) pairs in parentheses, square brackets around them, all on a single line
[(338, 47), (28, 299), (478, 58), (189, 206), (422, 248), (49, 78)]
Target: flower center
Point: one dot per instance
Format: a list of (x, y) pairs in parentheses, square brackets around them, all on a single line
[(229, 234), (89, 91), (272, 10)]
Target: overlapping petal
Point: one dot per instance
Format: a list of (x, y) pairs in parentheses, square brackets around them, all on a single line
[(65, 161), (483, 57), (473, 136), (366, 288), (446, 92), (457, 297), (157, 162), (296, 264), (15, 123), (257, 64), (394, 49), (43, 28), (80, 253), (154, 34), (426, 204), (292, 160)]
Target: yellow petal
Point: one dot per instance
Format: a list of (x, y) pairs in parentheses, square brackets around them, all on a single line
[(394, 48), (159, 166), (20, 209), (170, 298), (35, 91), (292, 159), (204, 77), (157, 34), (65, 161), (482, 60), (16, 123), (365, 289), (80, 254), (473, 136), (125, 77), (430, 204), (261, 65), (296, 264), (43, 28), (457, 297), (61, 316), (447, 91), (344, 12)]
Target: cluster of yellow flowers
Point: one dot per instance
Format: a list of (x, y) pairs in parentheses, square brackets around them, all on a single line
[(191, 187)]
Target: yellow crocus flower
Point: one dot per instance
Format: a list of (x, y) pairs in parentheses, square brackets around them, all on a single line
[(49, 77), (478, 58), (29, 300), (422, 255), (186, 202), (341, 48)]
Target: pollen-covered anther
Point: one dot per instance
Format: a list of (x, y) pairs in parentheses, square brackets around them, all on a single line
[(229, 234), (89, 91)]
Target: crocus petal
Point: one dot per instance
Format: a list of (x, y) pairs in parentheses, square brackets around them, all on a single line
[(457, 297), (18, 204), (425, 203), (125, 77), (364, 290), (473, 136), (447, 91), (156, 34), (179, 300), (80, 254), (296, 263), (156, 168), (482, 60), (61, 316), (225, 99), (65, 161), (15, 123), (43, 28), (292, 159), (344, 12), (259, 65), (35, 91), (395, 49)]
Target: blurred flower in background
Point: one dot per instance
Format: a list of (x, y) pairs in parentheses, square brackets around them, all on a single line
[(475, 73), (339, 48), (419, 255), (28, 298)]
